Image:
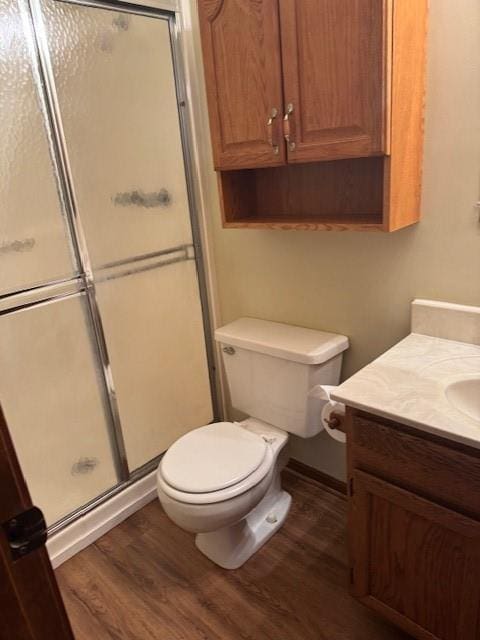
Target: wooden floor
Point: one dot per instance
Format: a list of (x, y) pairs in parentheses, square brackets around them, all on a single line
[(146, 580)]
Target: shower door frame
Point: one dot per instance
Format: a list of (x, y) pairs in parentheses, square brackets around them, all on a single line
[(83, 282)]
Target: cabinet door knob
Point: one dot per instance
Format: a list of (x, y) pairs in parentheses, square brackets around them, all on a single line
[(289, 127), (272, 138)]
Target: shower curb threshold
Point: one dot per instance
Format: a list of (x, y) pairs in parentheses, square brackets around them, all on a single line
[(96, 523)]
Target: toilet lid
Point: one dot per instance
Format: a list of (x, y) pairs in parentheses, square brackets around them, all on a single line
[(212, 458)]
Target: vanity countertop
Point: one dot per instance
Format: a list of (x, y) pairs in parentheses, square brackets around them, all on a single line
[(407, 384)]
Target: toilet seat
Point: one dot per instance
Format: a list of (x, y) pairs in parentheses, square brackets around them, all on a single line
[(214, 463), (212, 458)]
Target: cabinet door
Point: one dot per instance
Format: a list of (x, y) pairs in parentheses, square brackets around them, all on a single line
[(414, 561), (334, 62), (241, 51)]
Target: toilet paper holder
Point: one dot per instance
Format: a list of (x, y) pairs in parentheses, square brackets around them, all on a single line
[(336, 421)]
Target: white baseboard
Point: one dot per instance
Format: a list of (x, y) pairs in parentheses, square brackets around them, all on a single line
[(88, 528)]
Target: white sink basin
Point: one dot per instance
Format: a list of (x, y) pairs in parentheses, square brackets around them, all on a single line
[(464, 396)]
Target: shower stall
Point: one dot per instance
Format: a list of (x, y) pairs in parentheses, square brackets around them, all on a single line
[(105, 351)]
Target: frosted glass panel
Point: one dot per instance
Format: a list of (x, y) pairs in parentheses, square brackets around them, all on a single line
[(33, 243), (53, 405), (116, 89), (155, 338)]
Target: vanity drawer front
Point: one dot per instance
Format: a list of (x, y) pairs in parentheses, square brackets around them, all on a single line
[(448, 475)]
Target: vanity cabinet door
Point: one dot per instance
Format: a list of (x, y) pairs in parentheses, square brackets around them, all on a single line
[(241, 52), (415, 562), (334, 56)]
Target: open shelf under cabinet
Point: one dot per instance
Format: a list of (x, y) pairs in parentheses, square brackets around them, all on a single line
[(340, 195)]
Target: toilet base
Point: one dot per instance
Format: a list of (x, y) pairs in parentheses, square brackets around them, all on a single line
[(232, 546)]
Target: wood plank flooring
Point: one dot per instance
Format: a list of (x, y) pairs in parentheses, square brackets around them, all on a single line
[(145, 580)]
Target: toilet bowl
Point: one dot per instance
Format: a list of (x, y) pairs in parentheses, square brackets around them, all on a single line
[(222, 481)]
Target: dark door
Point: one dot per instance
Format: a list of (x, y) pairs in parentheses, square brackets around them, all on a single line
[(31, 607)]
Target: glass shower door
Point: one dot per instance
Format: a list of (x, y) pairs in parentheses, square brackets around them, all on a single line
[(34, 247), (54, 404), (115, 83), (50, 383), (103, 349)]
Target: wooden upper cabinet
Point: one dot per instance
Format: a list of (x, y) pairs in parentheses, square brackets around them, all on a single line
[(316, 111), (241, 51), (334, 60)]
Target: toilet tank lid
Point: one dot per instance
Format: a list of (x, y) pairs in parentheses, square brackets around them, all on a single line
[(307, 346)]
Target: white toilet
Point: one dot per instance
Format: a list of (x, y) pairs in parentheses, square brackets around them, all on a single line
[(222, 481)]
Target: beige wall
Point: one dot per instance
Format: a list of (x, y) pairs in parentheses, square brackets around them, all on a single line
[(361, 284)]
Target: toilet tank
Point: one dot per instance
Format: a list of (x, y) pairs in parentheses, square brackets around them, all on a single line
[(273, 371)]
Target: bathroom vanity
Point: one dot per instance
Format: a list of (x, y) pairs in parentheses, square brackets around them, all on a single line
[(413, 442), (414, 522)]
